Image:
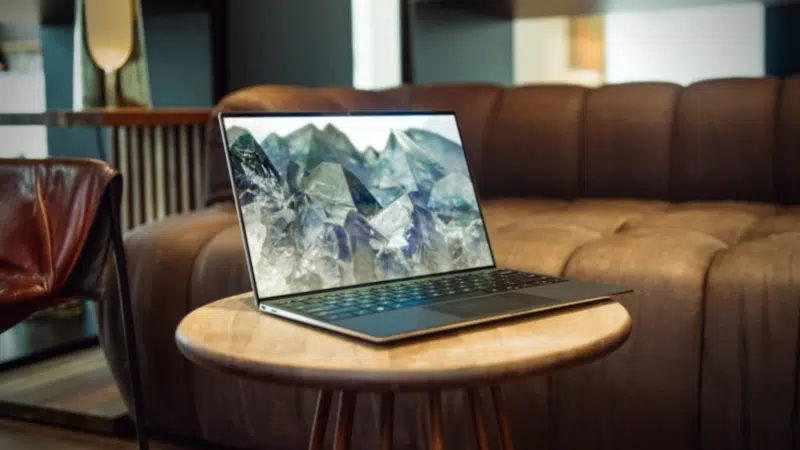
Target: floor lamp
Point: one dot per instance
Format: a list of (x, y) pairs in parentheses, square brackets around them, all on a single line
[(110, 59)]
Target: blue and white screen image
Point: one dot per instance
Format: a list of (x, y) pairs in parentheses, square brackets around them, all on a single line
[(333, 201)]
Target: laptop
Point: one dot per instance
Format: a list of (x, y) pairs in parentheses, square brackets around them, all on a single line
[(369, 225)]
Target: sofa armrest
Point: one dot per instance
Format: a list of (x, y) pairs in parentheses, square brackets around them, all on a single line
[(161, 258)]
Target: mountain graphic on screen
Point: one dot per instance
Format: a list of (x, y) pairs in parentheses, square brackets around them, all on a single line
[(320, 213)]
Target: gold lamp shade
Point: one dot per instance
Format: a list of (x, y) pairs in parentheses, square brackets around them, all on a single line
[(110, 63), (109, 32)]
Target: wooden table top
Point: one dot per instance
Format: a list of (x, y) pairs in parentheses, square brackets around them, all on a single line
[(231, 335)]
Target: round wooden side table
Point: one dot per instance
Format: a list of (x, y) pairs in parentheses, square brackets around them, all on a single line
[(232, 336)]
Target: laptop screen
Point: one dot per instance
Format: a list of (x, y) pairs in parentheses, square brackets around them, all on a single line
[(329, 201)]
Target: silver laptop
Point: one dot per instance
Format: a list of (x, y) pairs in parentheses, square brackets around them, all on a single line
[(368, 224)]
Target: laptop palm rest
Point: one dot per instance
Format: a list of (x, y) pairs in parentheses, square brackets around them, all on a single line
[(491, 306), (411, 320)]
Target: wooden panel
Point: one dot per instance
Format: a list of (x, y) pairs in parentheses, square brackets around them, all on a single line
[(172, 169), (185, 167), (160, 153), (135, 176), (162, 168), (149, 175)]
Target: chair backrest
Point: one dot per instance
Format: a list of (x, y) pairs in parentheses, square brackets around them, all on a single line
[(727, 139), (54, 234)]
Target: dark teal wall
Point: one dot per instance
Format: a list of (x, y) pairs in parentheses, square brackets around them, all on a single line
[(57, 59), (179, 59), (783, 40), (298, 42), (451, 46)]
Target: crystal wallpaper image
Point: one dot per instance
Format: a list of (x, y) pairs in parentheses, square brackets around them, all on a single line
[(336, 201)]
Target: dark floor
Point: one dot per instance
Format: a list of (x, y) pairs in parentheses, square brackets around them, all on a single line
[(19, 435), (70, 389), (75, 390)]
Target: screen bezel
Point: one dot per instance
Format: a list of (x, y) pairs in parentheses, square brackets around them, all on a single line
[(258, 298)]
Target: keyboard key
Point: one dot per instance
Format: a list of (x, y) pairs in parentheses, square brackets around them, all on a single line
[(338, 316), (389, 297)]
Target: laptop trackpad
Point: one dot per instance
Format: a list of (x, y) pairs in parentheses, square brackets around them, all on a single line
[(491, 306)]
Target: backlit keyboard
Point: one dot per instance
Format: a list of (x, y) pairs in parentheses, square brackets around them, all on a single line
[(344, 304)]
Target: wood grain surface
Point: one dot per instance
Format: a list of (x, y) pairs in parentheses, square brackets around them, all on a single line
[(75, 390), (231, 335)]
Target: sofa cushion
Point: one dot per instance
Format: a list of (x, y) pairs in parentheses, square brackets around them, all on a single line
[(724, 140), (751, 329), (543, 235), (685, 262), (720, 139), (628, 143), (535, 142)]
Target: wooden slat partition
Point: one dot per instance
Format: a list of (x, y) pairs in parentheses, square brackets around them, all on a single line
[(160, 154), (163, 170)]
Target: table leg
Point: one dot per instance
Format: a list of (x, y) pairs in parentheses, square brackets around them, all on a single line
[(344, 421), (435, 421), (502, 420), (320, 423), (477, 419), (347, 403), (387, 420)]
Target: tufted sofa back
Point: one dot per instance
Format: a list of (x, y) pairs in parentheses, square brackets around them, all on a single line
[(727, 139)]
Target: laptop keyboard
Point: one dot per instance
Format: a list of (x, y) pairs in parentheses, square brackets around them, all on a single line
[(387, 297)]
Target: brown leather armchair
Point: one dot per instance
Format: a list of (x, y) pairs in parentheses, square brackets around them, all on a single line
[(690, 195), (59, 225)]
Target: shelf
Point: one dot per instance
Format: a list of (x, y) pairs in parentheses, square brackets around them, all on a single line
[(109, 118), (62, 12), (20, 47), (518, 9)]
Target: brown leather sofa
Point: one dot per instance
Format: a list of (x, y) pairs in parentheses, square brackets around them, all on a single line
[(689, 195)]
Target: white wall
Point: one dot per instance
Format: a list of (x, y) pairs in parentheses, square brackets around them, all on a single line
[(681, 45), (376, 44), (685, 45), (541, 53), (540, 50), (22, 91)]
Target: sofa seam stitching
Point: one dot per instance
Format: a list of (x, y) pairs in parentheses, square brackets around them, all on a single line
[(702, 351), (796, 390), (491, 117), (677, 102), (777, 153), (580, 183)]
